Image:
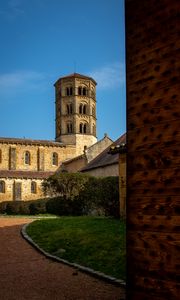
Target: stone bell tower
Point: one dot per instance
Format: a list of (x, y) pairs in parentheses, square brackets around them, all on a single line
[(76, 111)]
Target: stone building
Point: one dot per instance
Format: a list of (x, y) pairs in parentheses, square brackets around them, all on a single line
[(25, 163), (90, 153)]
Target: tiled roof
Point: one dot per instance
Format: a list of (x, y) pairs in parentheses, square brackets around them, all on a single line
[(30, 142), (25, 174), (104, 158), (76, 75)]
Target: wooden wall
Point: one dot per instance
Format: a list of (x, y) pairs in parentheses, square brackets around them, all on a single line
[(153, 142)]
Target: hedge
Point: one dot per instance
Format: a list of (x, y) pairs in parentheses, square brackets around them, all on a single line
[(98, 196)]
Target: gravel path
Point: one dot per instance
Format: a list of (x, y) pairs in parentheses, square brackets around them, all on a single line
[(26, 274)]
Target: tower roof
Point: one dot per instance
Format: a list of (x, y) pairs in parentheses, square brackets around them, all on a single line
[(76, 75)]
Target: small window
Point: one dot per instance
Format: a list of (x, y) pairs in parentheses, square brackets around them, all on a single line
[(83, 128), (69, 127), (71, 91), (69, 109), (0, 156), (80, 108), (2, 186), (84, 91), (67, 91), (55, 159), (27, 158), (79, 90), (33, 187), (84, 109)]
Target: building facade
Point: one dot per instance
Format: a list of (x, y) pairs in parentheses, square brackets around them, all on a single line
[(25, 163)]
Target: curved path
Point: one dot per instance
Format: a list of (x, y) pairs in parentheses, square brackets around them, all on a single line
[(26, 274)]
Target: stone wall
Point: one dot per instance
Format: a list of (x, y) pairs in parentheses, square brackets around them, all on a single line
[(26, 193), (153, 111)]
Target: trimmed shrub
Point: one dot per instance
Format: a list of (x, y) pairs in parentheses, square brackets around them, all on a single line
[(17, 208), (59, 206), (37, 206)]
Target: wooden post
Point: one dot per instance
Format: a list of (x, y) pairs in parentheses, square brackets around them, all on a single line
[(153, 141)]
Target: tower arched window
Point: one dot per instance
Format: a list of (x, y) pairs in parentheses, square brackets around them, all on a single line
[(69, 127), (69, 91), (2, 186), (80, 108), (27, 158), (55, 159), (83, 108), (84, 91), (79, 90), (33, 187), (83, 127), (69, 109)]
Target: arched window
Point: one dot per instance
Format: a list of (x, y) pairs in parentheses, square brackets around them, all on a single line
[(67, 91), (79, 90), (69, 109), (33, 187), (84, 91), (83, 128), (83, 109), (0, 156), (80, 108), (27, 158), (55, 159), (69, 127), (2, 186)]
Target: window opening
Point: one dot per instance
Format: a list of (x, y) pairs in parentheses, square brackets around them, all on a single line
[(33, 187), (27, 158), (2, 186), (55, 159)]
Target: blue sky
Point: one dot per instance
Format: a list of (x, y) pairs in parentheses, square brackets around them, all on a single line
[(42, 40)]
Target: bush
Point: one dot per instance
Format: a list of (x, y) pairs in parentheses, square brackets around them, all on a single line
[(101, 196), (37, 206), (17, 208), (32, 207), (58, 206), (66, 185), (91, 195)]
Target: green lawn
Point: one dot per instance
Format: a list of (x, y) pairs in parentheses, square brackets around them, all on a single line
[(95, 242)]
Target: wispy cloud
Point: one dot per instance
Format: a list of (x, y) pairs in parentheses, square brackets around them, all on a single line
[(109, 76), (13, 9), (21, 81)]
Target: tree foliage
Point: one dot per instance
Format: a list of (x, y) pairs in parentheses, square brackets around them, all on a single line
[(67, 185)]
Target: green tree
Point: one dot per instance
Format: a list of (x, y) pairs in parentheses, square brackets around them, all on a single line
[(67, 185)]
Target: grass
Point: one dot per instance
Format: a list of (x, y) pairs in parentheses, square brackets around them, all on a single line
[(29, 216), (94, 242)]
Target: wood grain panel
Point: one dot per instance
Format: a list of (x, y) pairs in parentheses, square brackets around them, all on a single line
[(153, 143)]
